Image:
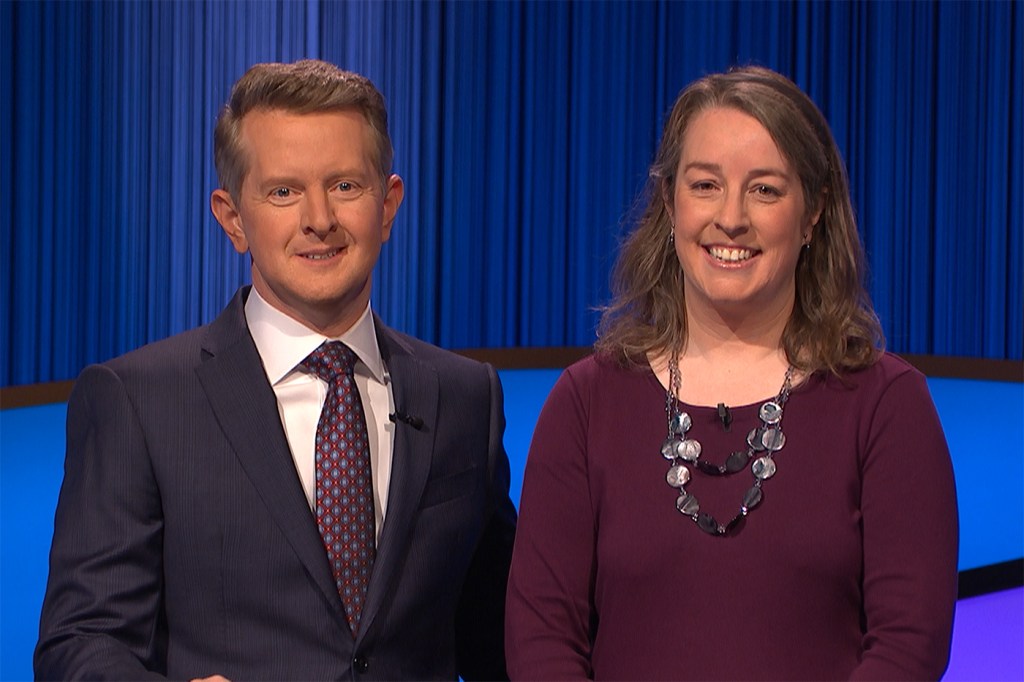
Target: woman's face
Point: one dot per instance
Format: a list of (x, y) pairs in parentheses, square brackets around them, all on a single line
[(739, 216)]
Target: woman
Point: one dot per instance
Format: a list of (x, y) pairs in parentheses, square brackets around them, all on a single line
[(739, 483)]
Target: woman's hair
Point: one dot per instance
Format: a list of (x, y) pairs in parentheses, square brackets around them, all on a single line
[(304, 87), (833, 325)]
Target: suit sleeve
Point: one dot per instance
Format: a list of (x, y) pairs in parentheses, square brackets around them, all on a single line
[(909, 517), (101, 612), (480, 618), (551, 614)]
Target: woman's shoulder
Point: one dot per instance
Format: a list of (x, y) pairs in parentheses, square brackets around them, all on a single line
[(601, 368), (889, 374), (601, 377), (888, 369)]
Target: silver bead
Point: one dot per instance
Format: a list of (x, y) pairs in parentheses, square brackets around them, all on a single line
[(763, 467), (688, 449), (680, 423), (770, 412), (773, 440), (687, 504), (678, 476), (751, 499)]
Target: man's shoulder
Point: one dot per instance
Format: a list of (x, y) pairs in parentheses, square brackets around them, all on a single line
[(174, 354), (440, 358), (184, 350)]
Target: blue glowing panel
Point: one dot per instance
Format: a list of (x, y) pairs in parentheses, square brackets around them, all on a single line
[(988, 638), (525, 391), (31, 469), (984, 425)]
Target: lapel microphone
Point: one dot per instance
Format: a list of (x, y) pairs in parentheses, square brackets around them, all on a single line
[(724, 415), (414, 422)]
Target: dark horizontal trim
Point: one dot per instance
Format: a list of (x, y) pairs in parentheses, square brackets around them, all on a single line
[(947, 366), (559, 357), (992, 578), (550, 357), (953, 367), (35, 394)]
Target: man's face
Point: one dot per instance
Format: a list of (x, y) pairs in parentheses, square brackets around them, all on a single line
[(311, 212)]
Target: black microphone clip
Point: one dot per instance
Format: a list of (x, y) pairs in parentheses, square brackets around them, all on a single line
[(724, 415), (414, 422)]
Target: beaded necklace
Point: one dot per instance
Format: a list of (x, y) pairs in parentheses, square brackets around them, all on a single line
[(680, 451)]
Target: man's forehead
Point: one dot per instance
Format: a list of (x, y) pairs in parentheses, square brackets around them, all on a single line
[(281, 137)]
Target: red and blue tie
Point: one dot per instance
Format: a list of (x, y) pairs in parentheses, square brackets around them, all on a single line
[(344, 487)]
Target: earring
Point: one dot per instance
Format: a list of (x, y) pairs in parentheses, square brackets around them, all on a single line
[(672, 235)]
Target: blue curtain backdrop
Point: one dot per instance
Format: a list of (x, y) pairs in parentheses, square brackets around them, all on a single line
[(524, 131)]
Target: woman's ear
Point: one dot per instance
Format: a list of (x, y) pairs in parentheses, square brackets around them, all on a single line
[(668, 198), (815, 217)]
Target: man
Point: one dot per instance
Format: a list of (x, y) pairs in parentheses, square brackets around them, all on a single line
[(252, 499)]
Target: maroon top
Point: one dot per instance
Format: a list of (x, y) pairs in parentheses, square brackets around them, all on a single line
[(847, 569)]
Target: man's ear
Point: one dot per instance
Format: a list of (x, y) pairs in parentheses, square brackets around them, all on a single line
[(394, 192), (226, 213)]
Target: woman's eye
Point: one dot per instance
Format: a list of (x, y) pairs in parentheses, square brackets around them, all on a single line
[(703, 186), (766, 191)]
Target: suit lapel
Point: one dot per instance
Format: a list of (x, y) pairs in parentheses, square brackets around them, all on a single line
[(414, 387), (245, 406)]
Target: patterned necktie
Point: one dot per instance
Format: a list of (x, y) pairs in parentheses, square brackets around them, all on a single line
[(344, 488)]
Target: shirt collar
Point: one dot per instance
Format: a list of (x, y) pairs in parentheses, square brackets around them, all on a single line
[(284, 342)]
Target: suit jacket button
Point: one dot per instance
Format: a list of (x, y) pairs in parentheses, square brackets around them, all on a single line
[(360, 664)]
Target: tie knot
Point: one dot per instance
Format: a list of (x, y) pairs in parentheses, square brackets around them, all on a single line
[(331, 360)]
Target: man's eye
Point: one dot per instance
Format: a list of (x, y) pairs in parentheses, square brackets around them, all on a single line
[(348, 190), (281, 193)]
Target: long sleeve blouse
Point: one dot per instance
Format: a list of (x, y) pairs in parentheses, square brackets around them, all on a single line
[(846, 570)]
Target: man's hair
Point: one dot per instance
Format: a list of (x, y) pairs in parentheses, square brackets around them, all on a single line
[(833, 325), (304, 87)]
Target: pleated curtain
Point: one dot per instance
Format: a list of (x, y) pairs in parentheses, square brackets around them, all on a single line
[(524, 131)]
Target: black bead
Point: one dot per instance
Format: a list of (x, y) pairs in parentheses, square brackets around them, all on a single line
[(735, 524), (706, 522), (754, 439), (709, 468), (737, 462)]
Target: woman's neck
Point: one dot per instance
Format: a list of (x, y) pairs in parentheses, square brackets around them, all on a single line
[(729, 360)]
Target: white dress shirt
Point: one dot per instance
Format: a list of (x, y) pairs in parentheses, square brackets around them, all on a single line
[(283, 343)]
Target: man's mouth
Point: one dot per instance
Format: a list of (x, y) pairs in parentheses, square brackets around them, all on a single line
[(325, 255)]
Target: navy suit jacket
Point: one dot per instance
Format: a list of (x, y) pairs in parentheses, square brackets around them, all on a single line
[(184, 546)]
